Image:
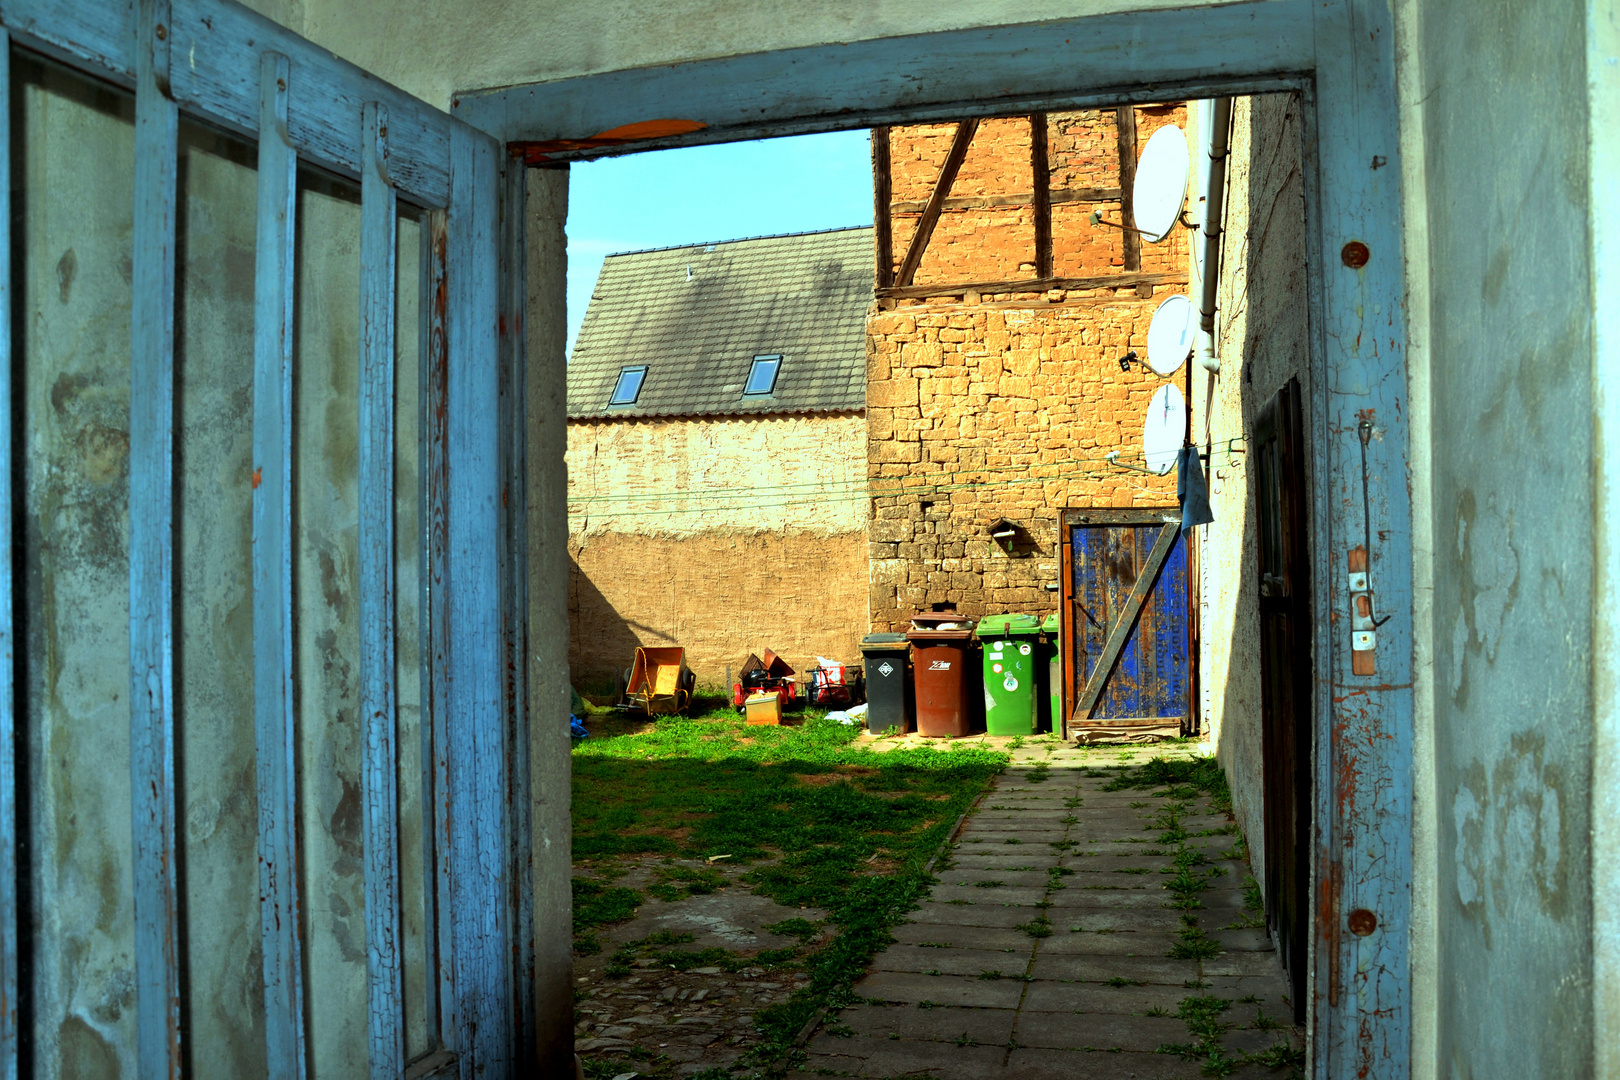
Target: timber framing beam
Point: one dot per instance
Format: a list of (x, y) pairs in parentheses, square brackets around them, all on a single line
[(882, 208), (1057, 197), (1125, 126), (936, 201), (1041, 187), (1040, 284)]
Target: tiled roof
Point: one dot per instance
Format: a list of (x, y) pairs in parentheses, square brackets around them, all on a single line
[(697, 316)]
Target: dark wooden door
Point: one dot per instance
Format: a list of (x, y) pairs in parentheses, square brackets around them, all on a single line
[(1285, 678), (1145, 685)]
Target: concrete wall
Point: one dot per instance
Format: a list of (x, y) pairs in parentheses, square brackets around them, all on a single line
[(1263, 340), (726, 536)]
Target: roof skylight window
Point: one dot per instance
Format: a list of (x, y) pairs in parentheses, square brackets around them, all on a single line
[(762, 376), (628, 388)]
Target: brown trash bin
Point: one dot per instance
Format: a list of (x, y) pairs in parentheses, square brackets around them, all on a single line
[(940, 642)]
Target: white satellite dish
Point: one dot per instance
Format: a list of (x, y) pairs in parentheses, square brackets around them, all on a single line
[(1170, 334), (1164, 429), (1161, 183)]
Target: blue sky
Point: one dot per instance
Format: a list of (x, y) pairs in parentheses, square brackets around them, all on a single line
[(708, 193)]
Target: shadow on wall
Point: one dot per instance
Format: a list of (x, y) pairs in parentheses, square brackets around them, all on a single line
[(601, 642), (1272, 303)]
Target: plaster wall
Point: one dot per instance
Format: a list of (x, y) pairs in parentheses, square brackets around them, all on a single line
[(726, 536), (1262, 339)]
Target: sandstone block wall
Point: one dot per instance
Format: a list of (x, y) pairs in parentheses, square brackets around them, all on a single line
[(724, 535), (998, 405)]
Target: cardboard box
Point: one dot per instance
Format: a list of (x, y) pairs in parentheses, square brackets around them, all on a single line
[(764, 708)]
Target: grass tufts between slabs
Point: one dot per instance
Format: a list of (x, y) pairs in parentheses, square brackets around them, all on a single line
[(798, 813)]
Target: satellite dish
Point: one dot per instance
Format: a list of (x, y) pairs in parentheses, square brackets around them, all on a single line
[(1161, 183), (1170, 334), (1164, 429)]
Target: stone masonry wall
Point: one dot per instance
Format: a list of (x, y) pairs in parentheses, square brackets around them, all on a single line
[(993, 406)]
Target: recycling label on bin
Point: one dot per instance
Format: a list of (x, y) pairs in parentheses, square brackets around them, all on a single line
[(885, 669), (1023, 650), (1009, 683), (989, 699), (996, 668), (940, 665)]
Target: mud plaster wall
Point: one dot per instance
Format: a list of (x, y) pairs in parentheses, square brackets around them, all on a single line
[(726, 536), (1511, 406), (1263, 341)]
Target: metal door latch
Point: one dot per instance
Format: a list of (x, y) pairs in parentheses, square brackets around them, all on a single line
[(1363, 629)]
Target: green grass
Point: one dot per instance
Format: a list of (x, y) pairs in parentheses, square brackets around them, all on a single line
[(810, 820)]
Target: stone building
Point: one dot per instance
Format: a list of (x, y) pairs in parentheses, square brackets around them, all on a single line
[(994, 387), (716, 500)]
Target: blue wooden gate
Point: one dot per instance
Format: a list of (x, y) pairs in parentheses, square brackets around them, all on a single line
[(1127, 623)]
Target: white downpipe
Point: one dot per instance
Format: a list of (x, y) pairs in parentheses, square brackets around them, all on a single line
[(1214, 121)]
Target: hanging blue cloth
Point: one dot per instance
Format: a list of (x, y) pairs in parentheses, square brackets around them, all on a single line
[(1190, 490), (576, 729)]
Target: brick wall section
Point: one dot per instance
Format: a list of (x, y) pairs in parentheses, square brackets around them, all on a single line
[(1005, 408), (999, 243)]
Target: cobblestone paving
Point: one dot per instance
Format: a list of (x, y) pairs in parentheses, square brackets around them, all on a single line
[(1045, 949)]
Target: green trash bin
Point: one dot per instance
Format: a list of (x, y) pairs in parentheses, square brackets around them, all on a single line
[(1009, 643), (1052, 631)]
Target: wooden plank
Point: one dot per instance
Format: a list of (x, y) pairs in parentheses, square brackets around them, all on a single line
[(378, 706), (444, 1018), (1124, 624), (922, 78), (1125, 126), (1041, 188), (478, 762), (274, 706), (936, 202), (9, 908), (882, 209), (1058, 197), (221, 44), (1100, 281), (514, 589), (151, 557), (1364, 733), (1129, 515)]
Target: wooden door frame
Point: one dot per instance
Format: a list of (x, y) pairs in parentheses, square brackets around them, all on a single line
[(1339, 54), (1095, 516)]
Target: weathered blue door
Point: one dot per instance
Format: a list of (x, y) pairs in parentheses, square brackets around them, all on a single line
[(1128, 658)]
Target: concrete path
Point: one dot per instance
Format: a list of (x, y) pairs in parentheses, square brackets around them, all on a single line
[(1045, 950)]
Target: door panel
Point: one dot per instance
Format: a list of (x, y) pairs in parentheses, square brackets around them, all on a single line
[(1104, 560), (1285, 679)]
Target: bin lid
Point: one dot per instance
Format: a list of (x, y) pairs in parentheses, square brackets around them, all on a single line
[(1053, 622), (939, 626), (883, 642), (1008, 626)]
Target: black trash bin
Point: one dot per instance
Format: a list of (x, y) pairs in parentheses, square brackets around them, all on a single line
[(888, 683)]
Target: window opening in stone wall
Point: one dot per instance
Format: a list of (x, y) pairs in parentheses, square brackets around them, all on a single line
[(762, 376), (628, 388)]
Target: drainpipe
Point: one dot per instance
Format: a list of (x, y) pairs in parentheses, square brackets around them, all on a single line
[(1214, 120)]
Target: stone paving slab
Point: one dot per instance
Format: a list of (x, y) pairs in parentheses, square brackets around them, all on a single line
[(972, 915), (963, 937), (952, 961), (1094, 998), (1097, 862), (1115, 920), (947, 1024), (1101, 1031), (1130, 944), (1148, 970), (971, 876), (1037, 1064), (974, 993), (865, 1056), (991, 858), (989, 897)]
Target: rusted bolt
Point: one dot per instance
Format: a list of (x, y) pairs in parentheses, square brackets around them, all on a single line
[(1355, 254), (1362, 922), (162, 32)]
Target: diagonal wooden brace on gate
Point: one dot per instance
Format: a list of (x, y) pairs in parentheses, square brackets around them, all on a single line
[(1125, 625)]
